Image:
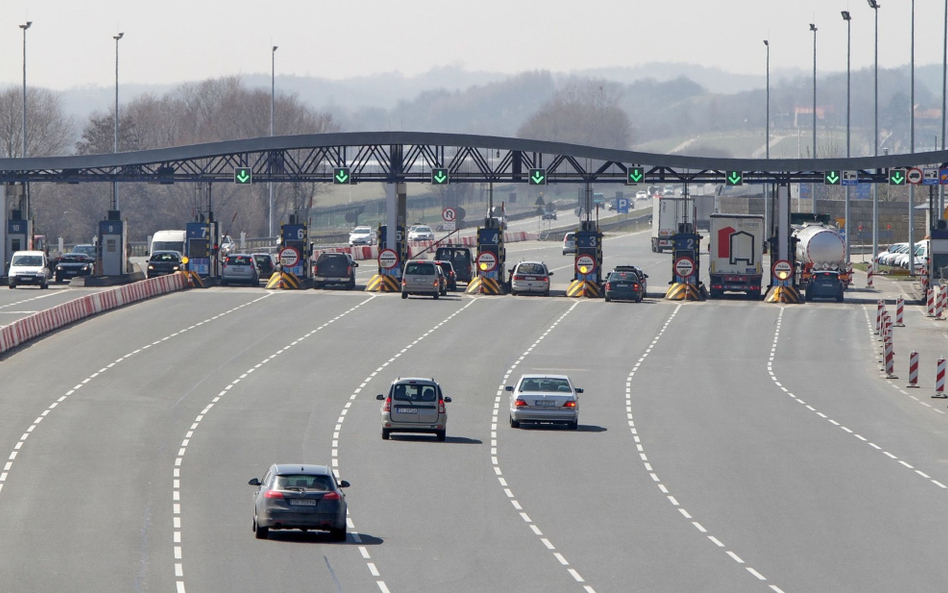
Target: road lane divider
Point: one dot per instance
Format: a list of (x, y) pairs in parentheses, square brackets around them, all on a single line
[(643, 457), (176, 498), (499, 474)]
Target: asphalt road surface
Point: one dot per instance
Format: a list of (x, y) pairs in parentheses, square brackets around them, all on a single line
[(725, 446)]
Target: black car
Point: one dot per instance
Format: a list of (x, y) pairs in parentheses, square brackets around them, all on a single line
[(549, 215), (824, 284), (73, 265), (461, 258), (162, 263), (334, 268), (265, 264), (625, 286), (449, 273)]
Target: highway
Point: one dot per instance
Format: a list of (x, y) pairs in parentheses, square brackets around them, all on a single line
[(724, 446), (24, 301)]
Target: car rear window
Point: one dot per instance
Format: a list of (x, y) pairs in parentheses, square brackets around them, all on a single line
[(531, 269), (569, 237), (304, 481), (541, 384), (624, 277), (239, 260), (332, 262), (415, 392), (419, 269)]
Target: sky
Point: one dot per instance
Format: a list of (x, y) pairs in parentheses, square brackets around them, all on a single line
[(70, 43)]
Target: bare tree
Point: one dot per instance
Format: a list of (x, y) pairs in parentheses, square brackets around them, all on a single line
[(49, 130), (583, 112)]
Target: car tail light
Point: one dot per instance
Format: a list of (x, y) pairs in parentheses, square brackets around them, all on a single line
[(569, 404), (349, 271), (519, 277), (404, 282), (608, 286), (331, 496), (435, 283), (635, 286), (519, 402), (315, 269), (387, 407), (441, 409), (273, 494), (452, 273)]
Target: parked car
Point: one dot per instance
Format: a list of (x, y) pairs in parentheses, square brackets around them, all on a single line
[(163, 262), (544, 398), (887, 257), (461, 258), (334, 268), (549, 215), (239, 267), (450, 276), (641, 195), (414, 405), (28, 267), (569, 243), (420, 232), (530, 277), (73, 265), (624, 286), (266, 264), (422, 277), (361, 235), (299, 496)]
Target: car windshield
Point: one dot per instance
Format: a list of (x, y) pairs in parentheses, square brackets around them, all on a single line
[(239, 260), (86, 249), (318, 483), (27, 260), (414, 392), (423, 229), (532, 269), (543, 384), (419, 269), (73, 258), (361, 230), (169, 257)]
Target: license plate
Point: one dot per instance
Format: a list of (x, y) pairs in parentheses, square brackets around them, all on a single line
[(303, 502), (531, 278), (543, 402), (420, 280), (622, 285), (407, 410)]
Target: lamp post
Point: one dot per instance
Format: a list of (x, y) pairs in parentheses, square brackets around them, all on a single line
[(944, 96), (767, 144), (911, 213), (848, 18), (115, 196), (813, 186), (23, 131), (875, 138), (272, 103)]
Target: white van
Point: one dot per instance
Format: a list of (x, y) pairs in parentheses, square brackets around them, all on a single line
[(29, 267), (168, 241)]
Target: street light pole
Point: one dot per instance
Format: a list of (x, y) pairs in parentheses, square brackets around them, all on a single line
[(813, 186), (944, 103), (272, 103), (875, 139), (849, 226), (115, 196), (767, 145), (911, 213), (23, 131)]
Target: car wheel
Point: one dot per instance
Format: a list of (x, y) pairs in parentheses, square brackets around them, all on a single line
[(436, 295), (547, 293), (639, 300), (260, 532), (442, 435), (513, 292), (338, 535), (839, 299), (404, 295), (573, 425), (59, 279), (608, 300), (385, 434), (351, 285), (12, 286), (514, 423)]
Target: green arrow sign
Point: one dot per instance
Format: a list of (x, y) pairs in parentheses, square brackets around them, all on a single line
[(735, 178), (537, 176), (340, 175), (896, 176), (831, 178), (243, 175), (635, 175), (439, 176)]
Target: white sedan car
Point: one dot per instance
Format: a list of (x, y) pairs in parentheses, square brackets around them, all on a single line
[(420, 232), (361, 235)]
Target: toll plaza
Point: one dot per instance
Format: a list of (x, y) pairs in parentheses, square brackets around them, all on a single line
[(587, 263), (489, 267), (294, 263), (18, 230), (686, 266), (783, 277), (393, 242)]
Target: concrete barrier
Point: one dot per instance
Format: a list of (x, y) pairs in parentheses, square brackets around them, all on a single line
[(43, 322)]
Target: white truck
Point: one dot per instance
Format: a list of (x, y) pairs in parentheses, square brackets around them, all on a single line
[(667, 214), (737, 251)]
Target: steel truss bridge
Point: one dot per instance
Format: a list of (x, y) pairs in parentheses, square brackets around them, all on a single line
[(390, 157)]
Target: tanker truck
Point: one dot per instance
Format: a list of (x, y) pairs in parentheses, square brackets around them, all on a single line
[(821, 266)]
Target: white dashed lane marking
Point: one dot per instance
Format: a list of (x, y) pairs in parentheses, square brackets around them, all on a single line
[(179, 459), (648, 466)]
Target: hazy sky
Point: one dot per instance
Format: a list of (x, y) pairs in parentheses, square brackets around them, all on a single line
[(70, 43)]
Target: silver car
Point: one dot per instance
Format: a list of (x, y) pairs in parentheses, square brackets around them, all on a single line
[(420, 232), (414, 405), (544, 398), (530, 277), (361, 235), (423, 277), (569, 243), (299, 496), (239, 267)]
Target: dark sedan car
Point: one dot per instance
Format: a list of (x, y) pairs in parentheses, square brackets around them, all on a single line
[(824, 284), (624, 286), (449, 274), (299, 496), (163, 262), (73, 265)]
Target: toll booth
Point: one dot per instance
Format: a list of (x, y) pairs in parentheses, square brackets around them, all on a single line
[(296, 236), (587, 264), (112, 245), (686, 265), (490, 274), (201, 245), (391, 260), (19, 233), (938, 254)]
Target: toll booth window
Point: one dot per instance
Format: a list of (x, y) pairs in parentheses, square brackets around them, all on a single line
[(940, 265), (198, 248), (418, 269), (110, 245), (15, 245)]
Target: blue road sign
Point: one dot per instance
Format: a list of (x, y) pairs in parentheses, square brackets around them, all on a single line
[(622, 205), (943, 176), (930, 176)]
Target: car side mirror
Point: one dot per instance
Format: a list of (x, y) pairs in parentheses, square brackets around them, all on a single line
[(646, 275), (254, 482), (551, 273), (355, 264), (380, 397), (579, 390), (509, 388), (344, 484), (447, 400)]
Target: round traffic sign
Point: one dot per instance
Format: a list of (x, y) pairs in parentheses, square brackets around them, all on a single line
[(486, 261), (914, 176), (782, 269), (449, 214), (684, 267), (388, 259), (289, 257), (585, 264)]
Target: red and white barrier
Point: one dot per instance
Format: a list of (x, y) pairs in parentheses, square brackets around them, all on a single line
[(941, 303), (51, 319), (889, 360), (366, 252), (940, 378), (930, 299), (870, 271), (913, 369), (899, 310), (880, 307)]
